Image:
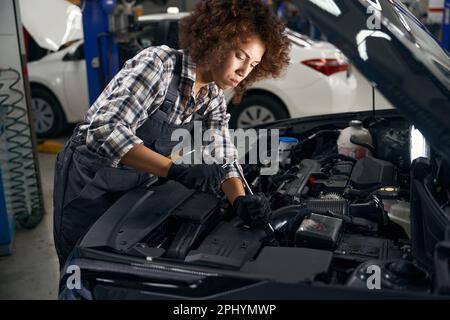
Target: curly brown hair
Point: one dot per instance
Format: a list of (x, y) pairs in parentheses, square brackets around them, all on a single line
[(217, 26)]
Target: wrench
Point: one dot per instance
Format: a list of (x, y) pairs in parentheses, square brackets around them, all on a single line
[(269, 226)]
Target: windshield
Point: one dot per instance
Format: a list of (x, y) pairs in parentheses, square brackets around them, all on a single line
[(410, 29), (397, 53)]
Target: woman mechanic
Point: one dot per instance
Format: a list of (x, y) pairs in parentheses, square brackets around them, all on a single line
[(124, 136)]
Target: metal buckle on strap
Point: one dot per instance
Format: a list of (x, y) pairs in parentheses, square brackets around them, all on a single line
[(77, 140)]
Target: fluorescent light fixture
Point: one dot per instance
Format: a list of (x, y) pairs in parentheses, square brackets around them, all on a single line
[(419, 146)]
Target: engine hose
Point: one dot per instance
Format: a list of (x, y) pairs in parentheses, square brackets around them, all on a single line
[(313, 136), (278, 179), (23, 192), (286, 220), (362, 193), (371, 210), (336, 156), (370, 147)]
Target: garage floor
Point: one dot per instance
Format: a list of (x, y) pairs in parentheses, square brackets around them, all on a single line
[(31, 272)]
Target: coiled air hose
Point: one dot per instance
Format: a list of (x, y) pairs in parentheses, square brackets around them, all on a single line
[(22, 190)]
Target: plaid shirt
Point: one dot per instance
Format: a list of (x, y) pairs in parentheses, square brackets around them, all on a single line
[(137, 91)]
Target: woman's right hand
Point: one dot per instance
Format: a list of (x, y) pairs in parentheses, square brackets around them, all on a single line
[(201, 177), (253, 209)]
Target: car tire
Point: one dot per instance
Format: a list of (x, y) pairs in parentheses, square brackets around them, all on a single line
[(48, 116), (256, 109)]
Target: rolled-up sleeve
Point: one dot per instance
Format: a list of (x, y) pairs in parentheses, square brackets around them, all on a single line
[(123, 105), (217, 121)]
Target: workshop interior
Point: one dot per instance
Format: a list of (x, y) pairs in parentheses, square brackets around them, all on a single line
[(359, 200)]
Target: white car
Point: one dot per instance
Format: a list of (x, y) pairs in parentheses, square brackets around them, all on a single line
[(319, 80)]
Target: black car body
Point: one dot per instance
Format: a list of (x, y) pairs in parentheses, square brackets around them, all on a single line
[(165, 241)]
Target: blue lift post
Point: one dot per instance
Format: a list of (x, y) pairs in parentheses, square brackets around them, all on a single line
[(7, 224), (446, 26), (100, 51)]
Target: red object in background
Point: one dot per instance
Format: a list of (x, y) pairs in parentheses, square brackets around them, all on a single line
[(436, 10), (311, 181), (26, 39), (327, 67)]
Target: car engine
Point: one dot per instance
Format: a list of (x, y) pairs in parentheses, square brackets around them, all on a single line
[(334, 218)]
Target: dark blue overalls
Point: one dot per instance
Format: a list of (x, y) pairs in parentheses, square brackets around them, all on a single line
[(84, 188)]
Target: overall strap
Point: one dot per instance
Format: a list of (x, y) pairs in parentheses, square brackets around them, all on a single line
[(172, 92)]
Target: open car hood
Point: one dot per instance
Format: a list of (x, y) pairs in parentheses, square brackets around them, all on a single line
[(397, 53), (51, 23)]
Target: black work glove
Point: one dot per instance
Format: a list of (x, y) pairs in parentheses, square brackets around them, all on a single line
[(253, 209), (201, 177)]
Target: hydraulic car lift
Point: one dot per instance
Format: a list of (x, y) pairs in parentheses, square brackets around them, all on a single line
[(100, 51), (106, 24), (446, 26)]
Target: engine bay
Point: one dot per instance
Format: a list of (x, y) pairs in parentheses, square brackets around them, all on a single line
[(335, 218)]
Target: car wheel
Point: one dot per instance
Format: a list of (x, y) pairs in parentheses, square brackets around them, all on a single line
[(48, 116), (256, 109)]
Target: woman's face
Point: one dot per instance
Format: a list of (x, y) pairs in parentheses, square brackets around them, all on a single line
[(238, 63)]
